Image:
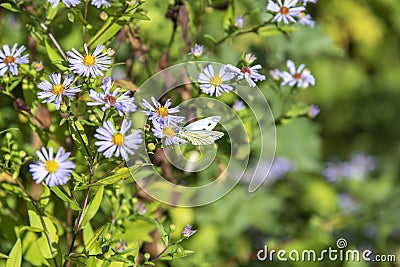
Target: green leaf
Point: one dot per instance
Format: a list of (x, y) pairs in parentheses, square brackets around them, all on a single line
[(119, 175), (107, 31), (79, 135), (163, 232), (210, 37), (45, 197), (55, 57), (15, 257), (9, 7), (94, 239), (32, 229), (3, 256), (72, 202), (140, 16), (93, 207)]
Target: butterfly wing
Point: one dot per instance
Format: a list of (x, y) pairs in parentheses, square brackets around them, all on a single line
[(202, 138), (206, 124)]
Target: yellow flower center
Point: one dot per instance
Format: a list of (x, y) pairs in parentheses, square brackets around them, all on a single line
[(9, 60), (216, 80), (162, 112), (303, 15), (89, 60), (169, 132), (284, 10), (118, 139), (51, 166), (58, 89)]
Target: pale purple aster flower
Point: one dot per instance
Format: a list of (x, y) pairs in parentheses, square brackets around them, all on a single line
[(188, 232), (67, 3), (279, 168), (54, 91), (249, 58), (275, 74), (111, 141), (54, 170), (99, 3), (250, 74), (10, 58), (213, 83), (169, 133), (196, 50), (305, 2), (239, 21), (301, 76), (306, 20), (89, 64), (38, 66), (357, 168), (120, 246), (347, 203), (238, 105), (286, 11), (123, 103), (313, 111), (162, 113), (141, 209)]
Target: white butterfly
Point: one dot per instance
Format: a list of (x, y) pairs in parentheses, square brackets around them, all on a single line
[(200, 132)]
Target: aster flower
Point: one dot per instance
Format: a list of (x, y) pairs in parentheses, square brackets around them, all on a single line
[(169, 132), (123, 103), (89, 64), (286, 11), (188, 232), (99, 3), (54, 170), (162, 113), (239, 21), (250, 74), (301, 77), (313, 111), (306, 20), (275, 74), (111, 141), (120, 246), (213, 83), (54, 91), (196, 50), (9, 59), (249, 58), (305, 2), (67, 3), (38, 66), (238, 105)]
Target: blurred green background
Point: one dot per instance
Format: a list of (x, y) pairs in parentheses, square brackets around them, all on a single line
[(354, 55)]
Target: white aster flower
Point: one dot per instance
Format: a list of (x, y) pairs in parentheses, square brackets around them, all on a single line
[(168, 132), (9, 59), (67, 3), (123, 103), (110, 141), (98, 3), (286, 11), (213, 83), (54, 91), (249, 58), (275, 74), (89, 64), (162, 113), (306, 20), (54, 170), (301, 77), (250, 74)]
